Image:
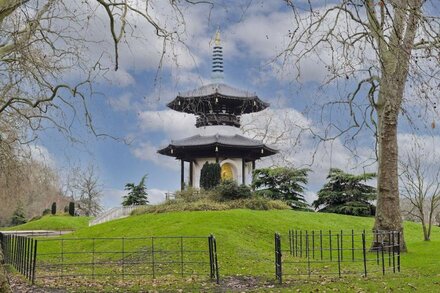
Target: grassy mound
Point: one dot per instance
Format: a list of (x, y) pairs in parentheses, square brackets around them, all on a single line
[(245, 244), (51, 222)]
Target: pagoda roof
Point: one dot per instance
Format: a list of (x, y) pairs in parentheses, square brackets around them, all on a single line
[(217, 88), (217, 97), (199, 146)]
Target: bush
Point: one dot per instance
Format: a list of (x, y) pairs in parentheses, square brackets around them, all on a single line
[(18, 217), (230, 190), (206, 204), (72, 208), (54, 208), (210, 175), (46, 212), (259, 203), (190, 194), (180, 205)]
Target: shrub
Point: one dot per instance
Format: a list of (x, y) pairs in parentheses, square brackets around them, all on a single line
[(230, 190), (179, 206), (54, 208), (258, 203), (206, 204), (210, 175), (18, 217), (72, 208), (190, 194), (46, 212)]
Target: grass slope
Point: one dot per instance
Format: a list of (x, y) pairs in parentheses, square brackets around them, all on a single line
[(245, 244), (51, 222)]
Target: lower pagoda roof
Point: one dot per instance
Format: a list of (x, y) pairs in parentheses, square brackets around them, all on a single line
[(232, 146)]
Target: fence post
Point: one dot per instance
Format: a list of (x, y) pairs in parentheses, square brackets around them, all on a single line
[(278, 265), (123, 258), (211, 257), (342, 245), (217, 276), (34, 262), (339, 255), (308, 253), (320, 242), (364, 253), (330, 243), (181, 255), (383, 257), (152, 257), (352, 245), (394, 246)]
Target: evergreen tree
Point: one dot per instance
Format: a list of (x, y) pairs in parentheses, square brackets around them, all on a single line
[(54, 208), (282, 183), (345, 194), (19, 216), (137, 194), (210, 175), (72, 208)]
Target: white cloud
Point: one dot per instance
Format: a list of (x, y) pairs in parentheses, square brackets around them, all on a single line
[(148, 152), (122, 103)]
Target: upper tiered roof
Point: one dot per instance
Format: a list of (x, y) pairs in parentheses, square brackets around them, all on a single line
[(217, 103)]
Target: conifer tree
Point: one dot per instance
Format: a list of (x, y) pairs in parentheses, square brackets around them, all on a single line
[(137, 194), (345, 194)]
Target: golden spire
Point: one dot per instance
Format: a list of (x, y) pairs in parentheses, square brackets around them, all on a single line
[(217, 38)]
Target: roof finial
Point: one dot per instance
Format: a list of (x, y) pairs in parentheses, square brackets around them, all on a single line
[(217, 37), (217, 59)]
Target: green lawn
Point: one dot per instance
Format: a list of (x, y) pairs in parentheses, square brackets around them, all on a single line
[(50, 222), (245, 246)]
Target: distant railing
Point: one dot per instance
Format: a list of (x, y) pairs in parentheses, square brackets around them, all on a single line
[(170, 196), (113, 214)]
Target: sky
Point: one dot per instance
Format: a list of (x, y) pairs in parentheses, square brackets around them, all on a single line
[(130, 104)]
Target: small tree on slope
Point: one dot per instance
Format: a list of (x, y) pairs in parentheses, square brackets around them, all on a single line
[(137, 194)]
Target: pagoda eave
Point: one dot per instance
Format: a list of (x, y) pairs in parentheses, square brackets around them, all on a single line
[(217, 103), (188, 153)]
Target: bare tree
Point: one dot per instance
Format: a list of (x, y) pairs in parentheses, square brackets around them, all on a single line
[(88, 191), (47, 70), (382, 55), (420, 181)]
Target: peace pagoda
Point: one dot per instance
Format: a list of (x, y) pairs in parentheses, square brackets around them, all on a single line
[(217, 104)]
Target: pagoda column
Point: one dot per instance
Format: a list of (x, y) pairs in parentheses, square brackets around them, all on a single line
[(182, 175), (191, 171), (243, 175)]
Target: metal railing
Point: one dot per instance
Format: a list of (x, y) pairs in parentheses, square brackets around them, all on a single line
[(127, 257), (336, 253), (21, 253), (113, 214)]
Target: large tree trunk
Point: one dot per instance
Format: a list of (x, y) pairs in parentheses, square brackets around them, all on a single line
[(388, 217)]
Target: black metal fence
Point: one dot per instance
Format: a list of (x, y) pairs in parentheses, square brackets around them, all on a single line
[(307, 253), (21, 253), (127, 257)]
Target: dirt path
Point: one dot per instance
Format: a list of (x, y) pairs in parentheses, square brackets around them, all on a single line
[(19, 285)]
